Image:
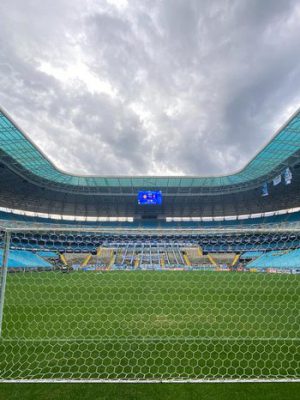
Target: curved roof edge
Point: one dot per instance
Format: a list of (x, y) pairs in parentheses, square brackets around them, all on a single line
[(20, 153)]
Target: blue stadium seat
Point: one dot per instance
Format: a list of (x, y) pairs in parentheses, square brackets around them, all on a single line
[(25, 259), (277, 259)]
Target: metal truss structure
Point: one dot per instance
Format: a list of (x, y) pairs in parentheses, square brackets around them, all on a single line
[(29, 181)]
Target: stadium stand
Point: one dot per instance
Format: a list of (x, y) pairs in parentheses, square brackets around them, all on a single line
[(47, 254), (25, 259), (289, 260), (251, 254), (282, 219)]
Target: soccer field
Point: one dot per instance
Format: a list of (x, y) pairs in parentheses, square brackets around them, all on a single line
[(156, 325)]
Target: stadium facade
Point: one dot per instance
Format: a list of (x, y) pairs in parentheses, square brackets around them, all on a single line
[(101, 223), (30, 182)]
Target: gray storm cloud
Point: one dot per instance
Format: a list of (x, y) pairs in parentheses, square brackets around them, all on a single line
[(152, 87)]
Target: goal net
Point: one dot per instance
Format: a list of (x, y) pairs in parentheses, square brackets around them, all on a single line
[(89, 306)]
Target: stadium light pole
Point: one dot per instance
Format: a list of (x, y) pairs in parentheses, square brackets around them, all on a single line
[(3, 275)]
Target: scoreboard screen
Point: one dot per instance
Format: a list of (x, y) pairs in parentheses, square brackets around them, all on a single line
[(149, 197)]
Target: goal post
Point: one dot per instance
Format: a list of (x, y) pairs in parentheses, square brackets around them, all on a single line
[(98, 315), (4, 263)]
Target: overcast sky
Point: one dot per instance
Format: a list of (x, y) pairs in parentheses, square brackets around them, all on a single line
[(150, 87)]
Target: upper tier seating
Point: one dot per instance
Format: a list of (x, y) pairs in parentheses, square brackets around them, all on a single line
[(156, 224)]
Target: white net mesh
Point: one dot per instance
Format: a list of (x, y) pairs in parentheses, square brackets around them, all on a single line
[(107, 316)]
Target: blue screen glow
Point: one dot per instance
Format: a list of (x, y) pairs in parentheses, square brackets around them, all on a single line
[(149, 197)]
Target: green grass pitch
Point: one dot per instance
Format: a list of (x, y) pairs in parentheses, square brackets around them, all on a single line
[(235, 391), (150, 325)]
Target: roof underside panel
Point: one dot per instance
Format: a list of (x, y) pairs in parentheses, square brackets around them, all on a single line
[(17, 147)]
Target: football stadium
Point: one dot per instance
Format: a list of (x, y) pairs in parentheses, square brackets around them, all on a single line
[(147, 278)]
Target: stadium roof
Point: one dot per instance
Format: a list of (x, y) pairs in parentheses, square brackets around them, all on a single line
[(24, 159)]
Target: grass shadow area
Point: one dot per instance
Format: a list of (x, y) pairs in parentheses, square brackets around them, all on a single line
[(236, 391)]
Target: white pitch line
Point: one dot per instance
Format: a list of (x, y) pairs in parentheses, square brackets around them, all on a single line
[(149, 381)]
